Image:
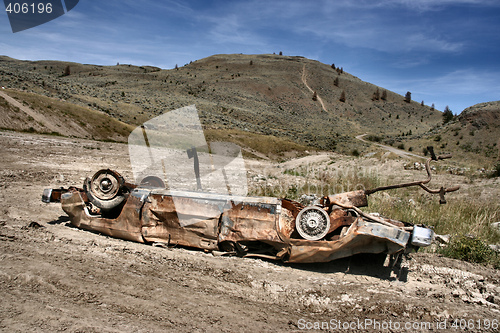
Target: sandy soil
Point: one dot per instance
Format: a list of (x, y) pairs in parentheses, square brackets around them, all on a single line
[(57, 278)]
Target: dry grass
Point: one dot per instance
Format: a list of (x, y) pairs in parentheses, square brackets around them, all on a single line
[(268, 145), (457, 217), (462, 215), (98, 125)]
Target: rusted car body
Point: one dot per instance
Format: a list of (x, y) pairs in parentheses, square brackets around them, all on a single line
[(255, 226), (248, 226), (225, 219)]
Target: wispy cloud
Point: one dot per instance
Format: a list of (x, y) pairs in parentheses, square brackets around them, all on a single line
[(465, 81), (231, 29), (458, 89), (436, 5)]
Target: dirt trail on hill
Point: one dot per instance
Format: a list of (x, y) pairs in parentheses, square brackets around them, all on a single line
[(54, 277), (304, 79), (396, 151)]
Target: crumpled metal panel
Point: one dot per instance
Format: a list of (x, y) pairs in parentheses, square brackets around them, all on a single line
[(340, 218), (161, 222), (362, 237), (286, 221), (194, 219), (127, 226), (251, 221)]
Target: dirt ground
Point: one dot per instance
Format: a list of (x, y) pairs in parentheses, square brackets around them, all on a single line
[(57, 278)]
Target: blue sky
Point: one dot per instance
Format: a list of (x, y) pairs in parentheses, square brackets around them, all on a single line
[(445, 52)]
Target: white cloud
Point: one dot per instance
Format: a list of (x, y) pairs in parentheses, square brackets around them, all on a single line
[(230, 30), (467, 82)]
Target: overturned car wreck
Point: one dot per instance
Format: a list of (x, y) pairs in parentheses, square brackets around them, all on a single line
[(227, 220)]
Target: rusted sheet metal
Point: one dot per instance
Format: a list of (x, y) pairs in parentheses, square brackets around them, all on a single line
[(215, 196), (182, 220), (286, 222), (127, 226), (340, 218), (54, 194), (192, 218), (362, 237), (355, 198), (251, 221)]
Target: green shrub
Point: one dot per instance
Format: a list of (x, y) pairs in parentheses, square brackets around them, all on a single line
[(293, 172), (374, 138), (496, 170), (471, 249)]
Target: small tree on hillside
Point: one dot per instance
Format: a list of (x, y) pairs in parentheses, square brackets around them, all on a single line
[(336, 82), (432, 107), (67, 70), (342, 96), (376, 95), (408, 97), (315, 96), (447, 115), (333, 66), (384, 95)]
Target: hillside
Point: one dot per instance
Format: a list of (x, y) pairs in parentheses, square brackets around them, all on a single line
[(28, 112), (263, 94), (473, 137)]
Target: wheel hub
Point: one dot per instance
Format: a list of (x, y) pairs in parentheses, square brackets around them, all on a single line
[(105, 184), (312, 223)]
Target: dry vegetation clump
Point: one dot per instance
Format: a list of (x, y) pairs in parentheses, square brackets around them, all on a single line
[(468, 221), (318, 178)]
